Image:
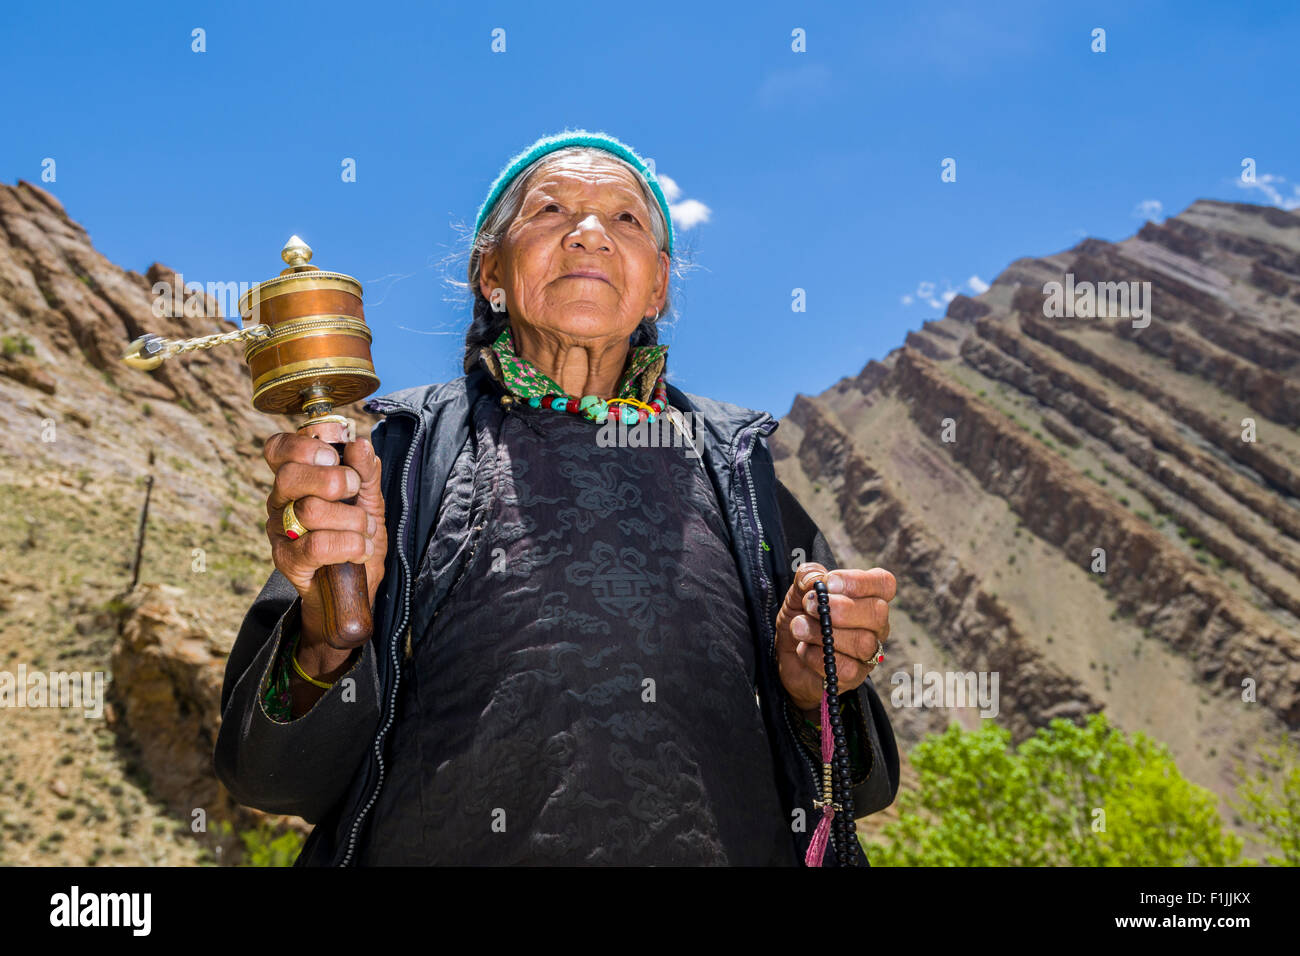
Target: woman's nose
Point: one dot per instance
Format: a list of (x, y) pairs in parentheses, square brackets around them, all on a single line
[(590, 233)]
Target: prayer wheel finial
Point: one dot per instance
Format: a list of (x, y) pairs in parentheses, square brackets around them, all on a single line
[(296, 254)]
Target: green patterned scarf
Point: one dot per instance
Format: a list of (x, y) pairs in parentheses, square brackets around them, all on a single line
[(522, 378)]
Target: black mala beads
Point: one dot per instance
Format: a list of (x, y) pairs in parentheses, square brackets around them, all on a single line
[(837, 781)]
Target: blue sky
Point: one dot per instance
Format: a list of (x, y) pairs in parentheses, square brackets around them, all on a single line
[(817, 170)]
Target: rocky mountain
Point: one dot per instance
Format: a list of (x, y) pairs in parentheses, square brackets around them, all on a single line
[(1100, 510), (1089, 488), (83, 434)]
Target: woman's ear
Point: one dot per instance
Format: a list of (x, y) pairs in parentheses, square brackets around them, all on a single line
[(660, 294), (489, 265)]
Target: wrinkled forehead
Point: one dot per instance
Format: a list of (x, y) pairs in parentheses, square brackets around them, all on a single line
[(582, 173)]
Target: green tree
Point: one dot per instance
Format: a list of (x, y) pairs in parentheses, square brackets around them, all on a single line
[(1270, 799), (1070, 795)]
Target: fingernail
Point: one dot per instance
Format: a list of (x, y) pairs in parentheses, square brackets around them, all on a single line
[(354, 482), (800, 627), (834, 583), (326, 456), (370, 525), (370, 546), (810, 602)]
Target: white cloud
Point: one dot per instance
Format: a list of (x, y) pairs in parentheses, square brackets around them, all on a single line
[(669, 186), (689, 213), (977, 285), (1268, 184), (686, 214), (1149, 209), (929, 293)]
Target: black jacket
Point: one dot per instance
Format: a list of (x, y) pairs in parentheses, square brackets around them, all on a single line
[(327, 766)]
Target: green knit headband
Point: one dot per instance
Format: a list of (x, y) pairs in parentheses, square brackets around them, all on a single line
[(581, 137)]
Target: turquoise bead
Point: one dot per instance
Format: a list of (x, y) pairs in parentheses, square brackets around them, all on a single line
[(535, 402), (587, 401), (559, 404), (629, 415)]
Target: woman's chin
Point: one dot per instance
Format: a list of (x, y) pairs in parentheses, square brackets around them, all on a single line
[(581, 320)]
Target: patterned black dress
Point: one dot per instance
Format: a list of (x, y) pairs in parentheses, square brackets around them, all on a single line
[(585, 693)]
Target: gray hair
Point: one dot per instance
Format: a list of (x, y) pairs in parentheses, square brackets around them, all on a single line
[(486, 325)]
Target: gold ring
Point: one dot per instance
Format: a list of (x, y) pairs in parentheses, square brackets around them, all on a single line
[(293, 528)]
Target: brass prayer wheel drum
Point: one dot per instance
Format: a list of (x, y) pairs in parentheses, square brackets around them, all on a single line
[(319, 348)]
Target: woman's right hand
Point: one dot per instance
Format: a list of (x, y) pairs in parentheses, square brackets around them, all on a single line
[(308, 473)]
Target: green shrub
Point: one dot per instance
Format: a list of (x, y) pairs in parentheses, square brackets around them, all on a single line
[(1270, 799), (263, 848), (12, 345), (982, 802)]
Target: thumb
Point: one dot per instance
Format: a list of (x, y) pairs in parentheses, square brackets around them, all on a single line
[(360, 456)]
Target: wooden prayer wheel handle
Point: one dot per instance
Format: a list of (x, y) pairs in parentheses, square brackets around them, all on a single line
[(345, 596), (344, 588)]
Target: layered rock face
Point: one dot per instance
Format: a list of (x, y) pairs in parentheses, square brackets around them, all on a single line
[(1090, 490)]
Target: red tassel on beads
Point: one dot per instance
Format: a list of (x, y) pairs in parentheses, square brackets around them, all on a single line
[(822, 835)]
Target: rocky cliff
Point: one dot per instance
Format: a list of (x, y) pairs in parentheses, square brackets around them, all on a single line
[(1100, 505), (80, 429)]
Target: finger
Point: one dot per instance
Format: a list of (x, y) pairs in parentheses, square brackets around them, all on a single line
[(858, 643), (284, 447), (807, 573), (871, 613), (804, 576), (857, 583), (849, 672), (294, 480), (317, 514), (320, 549)]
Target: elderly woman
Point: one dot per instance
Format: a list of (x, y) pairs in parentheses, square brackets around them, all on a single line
[(585, 651)]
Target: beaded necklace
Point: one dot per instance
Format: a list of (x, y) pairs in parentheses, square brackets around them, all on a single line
[(836, 825), (595, 409)]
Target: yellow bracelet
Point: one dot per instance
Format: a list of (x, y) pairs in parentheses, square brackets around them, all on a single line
[(302, 673)]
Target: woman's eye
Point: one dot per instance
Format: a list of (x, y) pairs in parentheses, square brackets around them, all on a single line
[(632, 217), (549, 206)]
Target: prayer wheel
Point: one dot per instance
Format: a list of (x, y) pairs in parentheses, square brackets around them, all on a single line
[(308, 350)]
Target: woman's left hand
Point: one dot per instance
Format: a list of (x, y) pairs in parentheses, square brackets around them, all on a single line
[(859, 604)]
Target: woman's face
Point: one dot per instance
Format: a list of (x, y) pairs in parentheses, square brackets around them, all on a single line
[(579, 214)]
